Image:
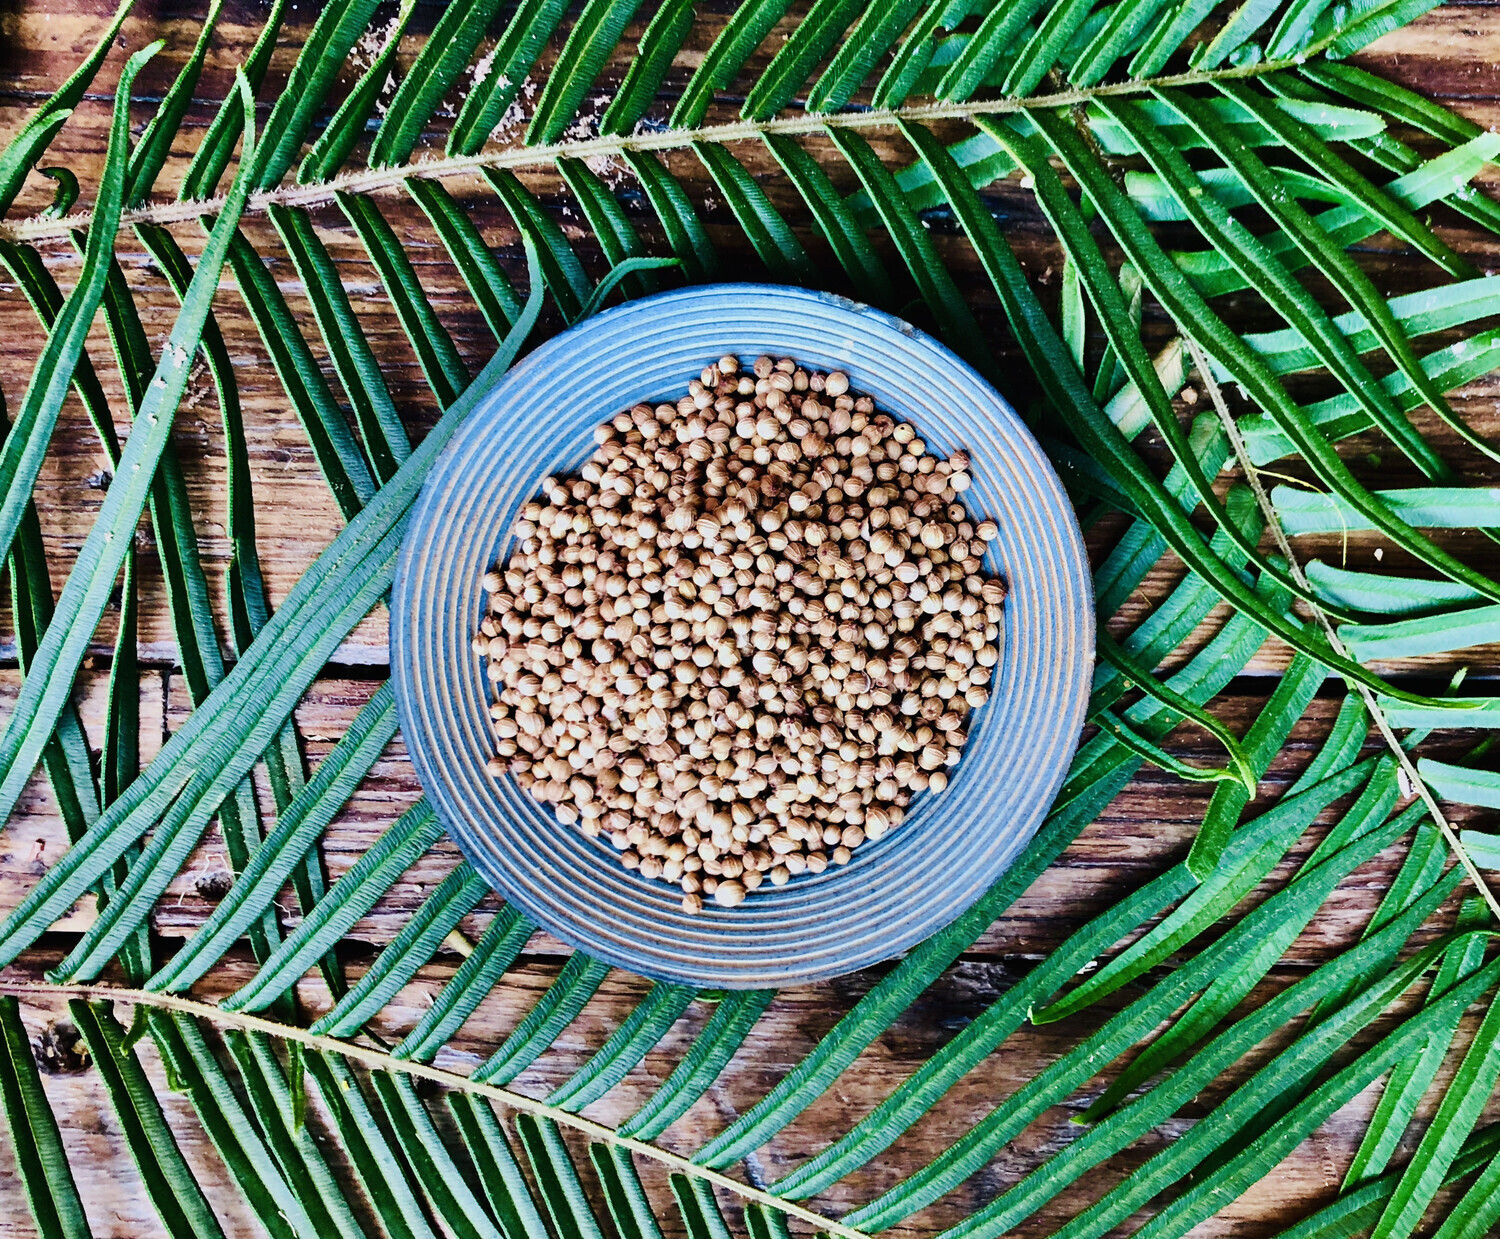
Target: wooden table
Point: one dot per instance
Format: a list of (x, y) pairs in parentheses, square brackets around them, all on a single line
[(1445, 55)]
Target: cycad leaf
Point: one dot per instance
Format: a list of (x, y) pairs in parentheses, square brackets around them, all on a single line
[(173, 1191), (26, 441), (592, 37), (505, 1185), (41, 127), (502, 941), (814, 35), (843, 232), (434, 71), (35, 1141), (661, 41), (87, 591), (531, 25), (414, 946), (331, 151), (747, 30), (679, 219), (318, 64), (879, 27)]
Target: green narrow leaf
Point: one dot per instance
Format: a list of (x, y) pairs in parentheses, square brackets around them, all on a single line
[(505, 1186), (659, 44), (1386, 595), (955, 320), (566, 1201), (1040, 52), (843, 232), (699, 1208), (626, 1197), (621, 271), (486, 279), (1117, 657), (347, 900), (767, 231), (354, 361), (594, 35), (299, 1158), (1409, 1080), (735, 44), (942, 1071), (994, 39), (1159, 1104), (23, 150), (879, 28), (217, 148), (36, 1143), (984, 1138), (1393, 214), (297, 829), (531, 25), (331, 151), (189, 1061), (1355, 1212), (1113, 314), (436, 68), (444, 369), (156, 141), (1256, 1160), (1462, 1103), (1102, 439), (384, 1174), (338, 455), (917, 52), (1189, 310), (497, 949), (679, 219), (1338, 267), (43, 694), (814, 36), (443, 1182), (1250, 857), (1120, 34), (26, 442), (170, 1186), (554, 1011), (318, 65), (637, 1034), (1227, 991), (733, 1018), (562, 272), (617, 237), (418, 941), (1474, 1215)]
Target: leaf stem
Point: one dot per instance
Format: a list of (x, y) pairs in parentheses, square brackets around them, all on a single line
[(378, 1060), (1372, 703), (369, 180)]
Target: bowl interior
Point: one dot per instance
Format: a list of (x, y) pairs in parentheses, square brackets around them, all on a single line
[(951, 847)]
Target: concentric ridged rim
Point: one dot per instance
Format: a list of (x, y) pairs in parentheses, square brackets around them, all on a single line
[(539, 420)]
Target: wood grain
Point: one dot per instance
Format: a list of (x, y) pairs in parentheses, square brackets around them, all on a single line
[(1450, 54)]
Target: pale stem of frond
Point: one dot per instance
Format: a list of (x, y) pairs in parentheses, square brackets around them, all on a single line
[(378, 1061), (371, 180), (1283, 544)]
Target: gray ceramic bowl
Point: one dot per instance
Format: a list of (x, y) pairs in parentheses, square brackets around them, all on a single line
[(539, 420)]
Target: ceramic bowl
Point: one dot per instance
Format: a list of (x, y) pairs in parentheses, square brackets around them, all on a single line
[(539, 420)]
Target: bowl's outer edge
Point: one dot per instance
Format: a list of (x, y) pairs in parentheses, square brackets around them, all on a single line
[(892, 894)]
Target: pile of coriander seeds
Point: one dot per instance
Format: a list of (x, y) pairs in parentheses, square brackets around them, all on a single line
[(745, 633)]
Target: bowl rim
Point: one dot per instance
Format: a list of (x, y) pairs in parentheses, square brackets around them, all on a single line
[(560, 350)]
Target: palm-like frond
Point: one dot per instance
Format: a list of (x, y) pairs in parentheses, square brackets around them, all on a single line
[(1239, 135)]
